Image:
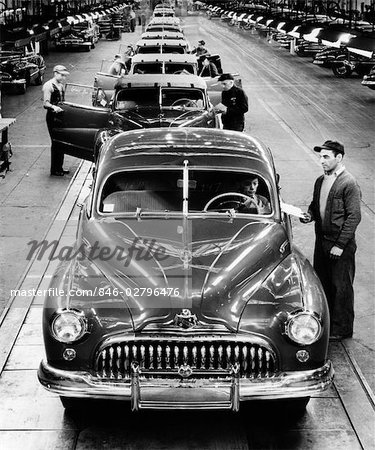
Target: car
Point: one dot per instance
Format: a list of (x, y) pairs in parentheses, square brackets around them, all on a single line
[(327, 56), (164, 12), (164, 63), (165, 21), (177, 297), (162, 46), (163, 28), (369, 80), (19, 70), (82, 36), (162, 35), (344, 65), (134, 102)]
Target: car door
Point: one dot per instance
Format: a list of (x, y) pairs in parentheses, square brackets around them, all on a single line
[(76, 127)]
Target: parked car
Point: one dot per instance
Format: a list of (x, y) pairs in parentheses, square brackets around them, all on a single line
[(17, 71), (82, 36), (132, 102), (209, 305), (327, 56), (344, 65), (369, 80)]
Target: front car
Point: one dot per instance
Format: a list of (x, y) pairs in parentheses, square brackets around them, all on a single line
[(204, 303), (156, 100)]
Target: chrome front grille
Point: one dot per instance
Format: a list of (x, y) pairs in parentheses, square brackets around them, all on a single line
[(166, 357)]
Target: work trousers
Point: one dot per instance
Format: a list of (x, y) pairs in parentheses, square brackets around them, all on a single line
[(337, 276), (57, 157)]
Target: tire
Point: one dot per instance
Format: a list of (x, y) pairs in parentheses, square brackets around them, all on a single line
[(39, 79), (341, 70), (75, 404), (22, 89), (293, 407)]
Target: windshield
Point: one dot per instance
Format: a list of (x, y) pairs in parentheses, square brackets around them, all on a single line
[(148, 68), (184, 98), (179, 68), (204, 191), (177, 49), (134, 98), (170, 98)]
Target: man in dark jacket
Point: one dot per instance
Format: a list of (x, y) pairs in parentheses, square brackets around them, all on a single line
[(336, 210), (234, 104)]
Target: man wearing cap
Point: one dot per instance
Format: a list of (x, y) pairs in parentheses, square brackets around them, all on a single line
[(336, 210), (200, 50), (53, 94), (118, 66), (209, 68), (234, 104)]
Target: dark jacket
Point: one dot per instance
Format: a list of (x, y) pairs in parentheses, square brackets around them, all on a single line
[(237, 103), (209, 71), (343, 210)]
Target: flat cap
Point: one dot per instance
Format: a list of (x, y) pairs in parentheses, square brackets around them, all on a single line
[(61, 69), (331, 145), (226, 76)]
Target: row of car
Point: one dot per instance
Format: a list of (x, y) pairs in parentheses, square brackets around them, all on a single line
[(21, 67), (332, 42), (177, 294)]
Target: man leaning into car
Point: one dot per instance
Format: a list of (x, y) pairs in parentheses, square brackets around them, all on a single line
[(336, 210)]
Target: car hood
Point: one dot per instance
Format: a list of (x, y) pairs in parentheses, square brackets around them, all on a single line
[(210, 265)]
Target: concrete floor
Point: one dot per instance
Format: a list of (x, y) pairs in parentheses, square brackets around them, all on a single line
[(294, 105)]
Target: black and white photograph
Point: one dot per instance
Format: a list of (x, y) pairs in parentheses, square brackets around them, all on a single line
[(187, 225)]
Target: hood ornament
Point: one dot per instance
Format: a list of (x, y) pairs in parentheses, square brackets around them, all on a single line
[(186, 319)]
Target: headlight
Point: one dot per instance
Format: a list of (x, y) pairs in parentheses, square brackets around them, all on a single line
[(68, 326), (303, 328)]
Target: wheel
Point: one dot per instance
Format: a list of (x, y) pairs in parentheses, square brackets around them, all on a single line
[(21, 89), (292, 407), (72, 403), (342, 70), (39, 79)]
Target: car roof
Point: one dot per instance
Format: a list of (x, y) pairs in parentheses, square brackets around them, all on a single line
[(143, 80), (164, 57), (158, 42), (207, 147)]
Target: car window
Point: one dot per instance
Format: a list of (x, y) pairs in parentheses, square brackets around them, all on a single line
[(149, 49), (173, 49), (162, 190), (183, 68), (147, 68), (206, 185), (134, 98), (149, 190), (188, 98)]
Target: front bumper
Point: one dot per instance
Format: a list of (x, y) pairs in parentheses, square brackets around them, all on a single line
[(194, 393)]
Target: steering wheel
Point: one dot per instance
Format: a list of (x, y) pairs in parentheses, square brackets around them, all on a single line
[(185, 102), (179, 72), (226, 194)]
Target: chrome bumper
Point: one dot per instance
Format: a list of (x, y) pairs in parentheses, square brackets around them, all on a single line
[(194, 393)]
